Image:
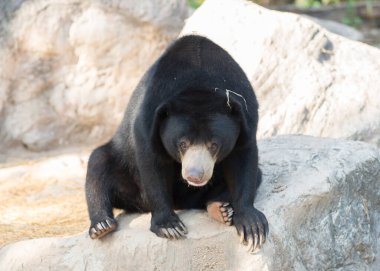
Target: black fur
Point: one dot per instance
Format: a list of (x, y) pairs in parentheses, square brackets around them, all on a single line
[(195, 88)]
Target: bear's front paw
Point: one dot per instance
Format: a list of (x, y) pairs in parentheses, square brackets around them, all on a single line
[(102, 228), (168, 226), (252, 227)]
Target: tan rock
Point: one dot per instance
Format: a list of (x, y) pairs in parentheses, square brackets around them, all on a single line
[(67, 67)]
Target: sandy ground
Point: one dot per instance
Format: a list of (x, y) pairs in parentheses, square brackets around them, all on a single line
[(43, 197)]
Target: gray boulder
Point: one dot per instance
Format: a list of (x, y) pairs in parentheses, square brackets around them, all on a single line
[(321, 198), (307, 80)]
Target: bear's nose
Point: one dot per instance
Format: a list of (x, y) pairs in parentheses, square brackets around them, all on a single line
[(194, 175)]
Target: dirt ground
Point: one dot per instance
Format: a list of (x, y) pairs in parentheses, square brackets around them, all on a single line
[(43, 198)]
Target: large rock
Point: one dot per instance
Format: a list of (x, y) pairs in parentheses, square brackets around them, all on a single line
[(67, 67), (321, 198), (307, 79)]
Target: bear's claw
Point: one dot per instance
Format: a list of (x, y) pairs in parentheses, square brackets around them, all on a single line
[(102, 228), (252, 227), (171, 228)]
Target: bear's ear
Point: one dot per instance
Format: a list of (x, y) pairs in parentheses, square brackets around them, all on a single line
[(160, 114), (240, 113)]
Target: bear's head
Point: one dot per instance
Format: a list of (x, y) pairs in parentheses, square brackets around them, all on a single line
[(197, 134), (198, 143)]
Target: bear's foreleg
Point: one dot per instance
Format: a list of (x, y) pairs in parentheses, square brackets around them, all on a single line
[(98, 194), (156, 178), (243, 176)]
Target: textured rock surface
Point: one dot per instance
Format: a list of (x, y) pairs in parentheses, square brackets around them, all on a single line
[(307, 79), (67, 67), (321, 198)]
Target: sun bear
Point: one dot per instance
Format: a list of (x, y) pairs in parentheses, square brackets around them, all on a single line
[(187, 141)]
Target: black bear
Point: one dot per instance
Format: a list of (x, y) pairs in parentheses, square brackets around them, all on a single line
[(187, 140)]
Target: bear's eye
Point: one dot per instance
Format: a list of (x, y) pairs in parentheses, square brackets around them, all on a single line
[(183, 145), (214, 147)]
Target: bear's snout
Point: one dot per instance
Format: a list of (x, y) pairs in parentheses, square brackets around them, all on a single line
[(194, 175), (197, 165)]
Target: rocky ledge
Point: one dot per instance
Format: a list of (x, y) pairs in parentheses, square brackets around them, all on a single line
[(321, 198)]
